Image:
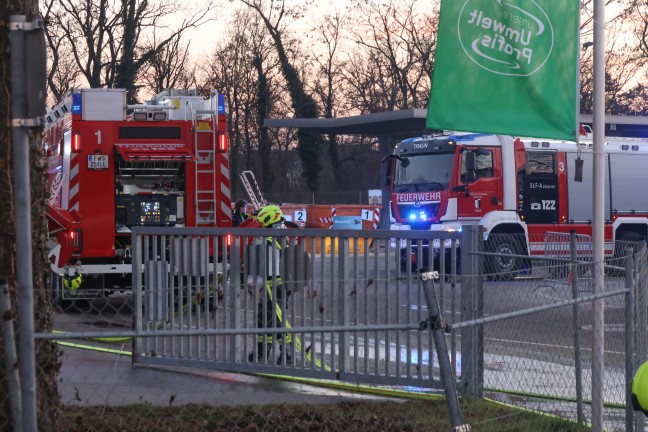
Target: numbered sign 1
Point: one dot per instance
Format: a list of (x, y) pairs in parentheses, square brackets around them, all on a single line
[(367, 215)]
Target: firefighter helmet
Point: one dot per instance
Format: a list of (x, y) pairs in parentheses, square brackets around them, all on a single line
[(73, 283), (270, 215), (640, 389)]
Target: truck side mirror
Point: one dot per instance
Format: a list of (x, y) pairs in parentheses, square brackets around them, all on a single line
[(469, 161), (469, 165), (389, 161)]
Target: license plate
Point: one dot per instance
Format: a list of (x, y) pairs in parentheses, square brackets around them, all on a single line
[(97, 162)]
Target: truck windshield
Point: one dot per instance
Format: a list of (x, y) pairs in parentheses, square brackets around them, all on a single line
[(424, 172)]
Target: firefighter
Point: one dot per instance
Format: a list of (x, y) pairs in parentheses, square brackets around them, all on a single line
[(640, 389), (240, 212), (269, 313)]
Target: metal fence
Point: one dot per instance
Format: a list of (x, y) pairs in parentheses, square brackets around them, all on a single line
[(343, 308), (537, 332), (349, 307)]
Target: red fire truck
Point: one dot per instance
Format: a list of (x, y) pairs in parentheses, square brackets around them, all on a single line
[(518, 186), (112, 166)]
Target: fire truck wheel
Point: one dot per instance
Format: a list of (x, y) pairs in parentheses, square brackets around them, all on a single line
[(502, 267)]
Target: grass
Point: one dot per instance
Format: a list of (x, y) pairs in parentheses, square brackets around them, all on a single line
[(418, 415)]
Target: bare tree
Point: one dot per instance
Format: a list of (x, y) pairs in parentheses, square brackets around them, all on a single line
[(638, 10), (329, 80), (84, 29), (625, 64), (396, 42), (47, 355), (108, 39), (62, 73), (369, 88), (272, 14), (262, 107), (243, 67), (169, 68)]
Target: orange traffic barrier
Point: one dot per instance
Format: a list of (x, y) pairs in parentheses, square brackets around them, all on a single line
[(320, 216), (324, 216), (296, 213)]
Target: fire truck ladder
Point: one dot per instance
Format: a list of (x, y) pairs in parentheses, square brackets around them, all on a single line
[(205, 197), (252, 188)]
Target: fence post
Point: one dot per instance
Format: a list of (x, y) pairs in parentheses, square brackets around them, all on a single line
[(629, 332), (435, 320), (343, 297), (641, 318), (574, 269), (235, 285), (136, 278), (472, 307)]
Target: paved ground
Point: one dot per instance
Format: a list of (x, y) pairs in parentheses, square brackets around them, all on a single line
[(104, 378), (96, 378)]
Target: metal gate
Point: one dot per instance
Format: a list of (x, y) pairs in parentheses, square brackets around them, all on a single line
[(568, 257), (338, 305)]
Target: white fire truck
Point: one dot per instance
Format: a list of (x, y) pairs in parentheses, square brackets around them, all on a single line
[(112, 166), (517, 186)]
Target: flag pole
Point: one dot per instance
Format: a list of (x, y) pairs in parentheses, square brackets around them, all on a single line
[(598, 241)]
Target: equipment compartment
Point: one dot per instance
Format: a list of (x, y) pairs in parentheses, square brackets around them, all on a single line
[(146, 209)]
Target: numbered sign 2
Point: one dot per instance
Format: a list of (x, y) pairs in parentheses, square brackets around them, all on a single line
[(300, 216)]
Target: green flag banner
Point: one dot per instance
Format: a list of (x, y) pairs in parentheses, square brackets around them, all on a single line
[(506, 67)]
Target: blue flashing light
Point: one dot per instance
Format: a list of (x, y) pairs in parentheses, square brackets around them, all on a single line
[(221, 104), (76, 103), (417, 215)]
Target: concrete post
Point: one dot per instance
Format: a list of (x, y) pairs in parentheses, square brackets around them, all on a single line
[(472, 307)]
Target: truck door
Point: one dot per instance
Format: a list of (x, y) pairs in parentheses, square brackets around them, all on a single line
[(540, 188), (480, 179)]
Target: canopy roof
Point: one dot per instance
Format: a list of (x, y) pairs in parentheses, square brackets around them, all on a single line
[(384, 123), (413, 120)]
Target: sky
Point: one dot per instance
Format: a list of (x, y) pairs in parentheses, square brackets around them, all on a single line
[(204, 39)]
